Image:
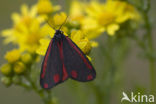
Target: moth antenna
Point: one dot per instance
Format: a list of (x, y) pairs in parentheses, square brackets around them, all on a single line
[(50, 25), (63, 22)]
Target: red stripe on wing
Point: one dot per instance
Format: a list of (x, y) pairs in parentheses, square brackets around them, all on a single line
[(77, 50), (65, 74), (46, 59)]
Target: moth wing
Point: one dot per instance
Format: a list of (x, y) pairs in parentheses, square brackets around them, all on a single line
[(52, 67), (77, 64)]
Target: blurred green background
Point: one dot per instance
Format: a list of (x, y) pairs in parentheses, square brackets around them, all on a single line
[(135, 70)]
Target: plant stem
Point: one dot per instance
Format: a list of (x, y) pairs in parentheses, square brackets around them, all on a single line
[(150, 48), (109, 53), (45, 95)]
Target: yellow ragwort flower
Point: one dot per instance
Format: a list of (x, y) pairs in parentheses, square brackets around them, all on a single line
[(43, 46), (12, 56), (57, 20), (27, 30), (79, 20), (76, 11), (46, 7), (91, 28), (83, 43), (111, 14)]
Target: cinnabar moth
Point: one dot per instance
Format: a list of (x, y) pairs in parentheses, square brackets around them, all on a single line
[(63, 60)]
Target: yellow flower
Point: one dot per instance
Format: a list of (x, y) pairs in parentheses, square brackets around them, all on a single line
[(91, 28), (12, 56), (76, 11), (19, 68), (79, 20), (46, 7), (83, 43), (112, 28), (57, 20), (27, 30), (6, 69), (43, 47), (111, 14)]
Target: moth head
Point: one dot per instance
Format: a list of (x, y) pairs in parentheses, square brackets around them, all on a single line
[(59, 32)]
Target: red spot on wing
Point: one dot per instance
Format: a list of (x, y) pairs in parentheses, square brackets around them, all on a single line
[(46, 59), (89, 77), (45, 85), (77, 50), (65, 74), (56, 78), (74, 74)]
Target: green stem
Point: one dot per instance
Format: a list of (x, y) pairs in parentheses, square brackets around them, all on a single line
[(152, 76), (150, 48), (98, 93), (45, 95), (112, 67)]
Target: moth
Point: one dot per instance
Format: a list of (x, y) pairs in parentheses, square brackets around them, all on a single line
[(64, 60)]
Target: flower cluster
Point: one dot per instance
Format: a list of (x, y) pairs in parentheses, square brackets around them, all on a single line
[(32, 34), (107, 16), (89, 20), (17, 65), (31, 31)]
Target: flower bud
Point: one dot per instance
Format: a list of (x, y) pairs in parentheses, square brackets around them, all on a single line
[(6, 69), (16, 79), (6, 81), (26, 58), (19, 68), (12, 56)]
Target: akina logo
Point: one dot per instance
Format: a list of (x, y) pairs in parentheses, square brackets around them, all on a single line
[(137, 97)]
